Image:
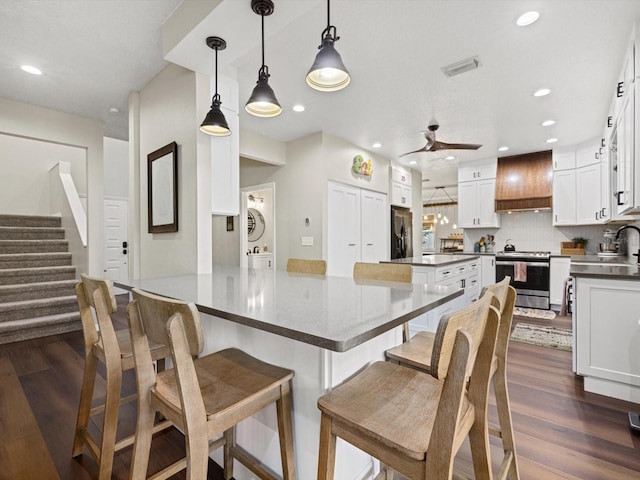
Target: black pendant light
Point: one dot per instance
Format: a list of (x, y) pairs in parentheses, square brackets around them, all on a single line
[(263, 102), (214, 123), (328, 73)]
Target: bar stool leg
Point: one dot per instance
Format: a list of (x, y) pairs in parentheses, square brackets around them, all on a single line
[(285, 432), (229, 442), (84, 408), (505, 421), (327, 455), (110, 421)]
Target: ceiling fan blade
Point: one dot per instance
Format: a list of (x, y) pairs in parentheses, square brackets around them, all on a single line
[(423, 149), (454, 146)]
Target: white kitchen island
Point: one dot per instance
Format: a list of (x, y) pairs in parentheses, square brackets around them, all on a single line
[(323, 328)]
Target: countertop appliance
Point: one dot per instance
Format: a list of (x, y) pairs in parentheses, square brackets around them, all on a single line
[(529, 272), (401, 233), (610, 246)]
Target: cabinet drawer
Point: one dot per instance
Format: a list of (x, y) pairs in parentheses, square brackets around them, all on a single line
[(472, 288), (446, 273)]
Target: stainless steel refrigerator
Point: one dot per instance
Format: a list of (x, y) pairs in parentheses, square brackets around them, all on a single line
[(401, 233)]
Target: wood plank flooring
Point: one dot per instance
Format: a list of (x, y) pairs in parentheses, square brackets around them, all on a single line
[(561, 431)]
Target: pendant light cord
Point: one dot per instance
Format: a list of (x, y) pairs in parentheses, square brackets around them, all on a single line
[(262, 16), (328, 12), (216, 96)]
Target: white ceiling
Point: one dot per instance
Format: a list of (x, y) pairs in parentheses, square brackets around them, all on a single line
[(95, 52)]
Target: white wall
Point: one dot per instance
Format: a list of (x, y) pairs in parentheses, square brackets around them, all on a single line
[(169, 111), (21, 119), (24, 183), (116, 168)]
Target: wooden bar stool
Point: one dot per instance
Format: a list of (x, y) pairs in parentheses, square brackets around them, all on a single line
[(113, 349), (204, 397), (412, 422), (299, 265), (418, 353)]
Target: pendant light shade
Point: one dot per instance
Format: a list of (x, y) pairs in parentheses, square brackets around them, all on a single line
[(214, 123), (328, 73), (263, 102)]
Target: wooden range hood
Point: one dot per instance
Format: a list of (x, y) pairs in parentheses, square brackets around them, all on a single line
[(524, 182)]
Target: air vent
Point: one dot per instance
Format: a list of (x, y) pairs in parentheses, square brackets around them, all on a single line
[(461, 67)]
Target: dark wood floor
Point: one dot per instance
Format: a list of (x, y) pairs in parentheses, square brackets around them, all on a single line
[(561, 431)]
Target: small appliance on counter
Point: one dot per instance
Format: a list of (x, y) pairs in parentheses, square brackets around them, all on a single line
[(610, 247)]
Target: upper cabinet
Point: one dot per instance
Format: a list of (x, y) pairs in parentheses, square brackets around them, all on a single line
[(400, 187), (564, 160), (477, 194)]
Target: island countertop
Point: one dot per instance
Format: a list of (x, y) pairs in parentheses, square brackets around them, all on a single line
[(436, 260), (613, 272), (336, 313)]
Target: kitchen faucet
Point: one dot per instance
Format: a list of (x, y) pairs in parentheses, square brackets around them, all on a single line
[(634, 228)]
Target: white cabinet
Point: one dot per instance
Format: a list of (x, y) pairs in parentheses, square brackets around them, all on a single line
[(588, 190), (356, 228), (558, 273), (623, 163), (476, 204), (488, 270), (564, 197), (261, 260), (481, 170), (608, 335), (400, 187), (564, 160), (588, 154)]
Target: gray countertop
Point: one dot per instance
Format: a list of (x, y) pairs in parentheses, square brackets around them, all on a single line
[(435, 260), (613, 272), (336, 313)]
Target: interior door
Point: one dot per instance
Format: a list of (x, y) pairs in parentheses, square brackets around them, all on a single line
[(373, 220), (343, 236), (115, 246)]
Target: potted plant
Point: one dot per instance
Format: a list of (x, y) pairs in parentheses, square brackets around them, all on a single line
[(580, 242)]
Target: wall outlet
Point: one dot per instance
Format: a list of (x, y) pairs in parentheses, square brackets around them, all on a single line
[(306, 241)]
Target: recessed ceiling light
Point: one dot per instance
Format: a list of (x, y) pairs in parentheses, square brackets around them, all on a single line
[(542, 92), (503, 149), (412, 162), (450, 157), (527, 18), (376, 145), (548, 123), (552, 140), (298, 108), (32, 70)]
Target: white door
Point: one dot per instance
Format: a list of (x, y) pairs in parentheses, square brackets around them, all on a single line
[(374, 222), (115, 245), (343, 236)]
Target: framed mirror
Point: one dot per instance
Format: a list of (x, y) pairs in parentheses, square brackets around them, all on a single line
[(162, 184)]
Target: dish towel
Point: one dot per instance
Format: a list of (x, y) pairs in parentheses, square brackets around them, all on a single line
[(520, 272)]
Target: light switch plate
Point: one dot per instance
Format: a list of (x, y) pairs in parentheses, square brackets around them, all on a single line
[(306, 241)]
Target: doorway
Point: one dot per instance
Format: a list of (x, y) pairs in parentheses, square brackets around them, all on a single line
[(116, 247), (257, 221)]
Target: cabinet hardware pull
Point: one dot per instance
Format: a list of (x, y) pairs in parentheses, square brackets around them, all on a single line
[(619, 89), (618, 195), (602, 141), (610, 121)]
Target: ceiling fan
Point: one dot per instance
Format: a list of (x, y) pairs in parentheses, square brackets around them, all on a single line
[(433, 145)]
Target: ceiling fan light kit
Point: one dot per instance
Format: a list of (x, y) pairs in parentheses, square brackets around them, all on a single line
[(263, 101), (328, 72), (215, 123)]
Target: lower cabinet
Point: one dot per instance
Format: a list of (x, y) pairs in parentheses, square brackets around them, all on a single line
[(558, 273), (607, 336), (465, 274), (261, 260), (488, 270)]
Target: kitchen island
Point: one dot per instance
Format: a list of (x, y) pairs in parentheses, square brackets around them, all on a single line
[(607, 328), (324, 328)]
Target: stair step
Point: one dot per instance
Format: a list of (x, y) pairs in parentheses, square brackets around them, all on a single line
[(33, 246), (37, 275), (31, 233), (26, 329), (32, 291), (28, 260), (41, 307), (29, 221)]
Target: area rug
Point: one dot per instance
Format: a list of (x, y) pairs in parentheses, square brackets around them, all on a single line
[(551, 337), (534, 313)]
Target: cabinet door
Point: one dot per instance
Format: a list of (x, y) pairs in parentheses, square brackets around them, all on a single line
[(558, 273), (225, 169), (624, 155), (487, 216), (373, 223), (467, 207), (343, 232), (564, 197), (488, 270), (564, 160), (588, 155), (588, 195), (400, 194)]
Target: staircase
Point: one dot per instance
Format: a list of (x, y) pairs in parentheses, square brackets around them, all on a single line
[(37, 280)]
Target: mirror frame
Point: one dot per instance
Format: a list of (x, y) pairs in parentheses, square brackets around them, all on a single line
[(159, 184)]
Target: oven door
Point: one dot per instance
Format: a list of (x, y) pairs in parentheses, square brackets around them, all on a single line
[(532, 292)]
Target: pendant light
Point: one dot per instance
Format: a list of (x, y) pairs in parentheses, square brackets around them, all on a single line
[(263, 102), (214, 123), (328, 73)]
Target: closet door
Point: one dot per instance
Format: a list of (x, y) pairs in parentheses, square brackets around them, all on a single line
[(343, 236), (374, 226)]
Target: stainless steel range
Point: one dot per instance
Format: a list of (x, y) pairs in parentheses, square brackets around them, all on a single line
[(529, 272)]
